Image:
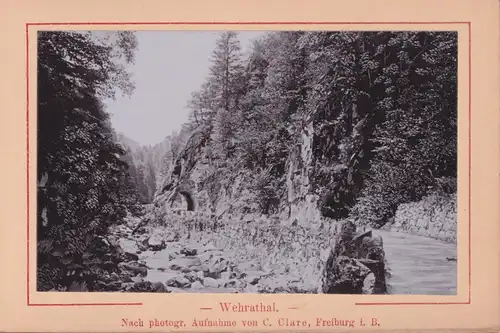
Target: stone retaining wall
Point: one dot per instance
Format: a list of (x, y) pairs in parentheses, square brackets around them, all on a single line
[(434, 216)]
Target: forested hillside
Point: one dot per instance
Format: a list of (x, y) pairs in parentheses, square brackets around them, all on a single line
[(306, 130), (147, 165), (350, 124)]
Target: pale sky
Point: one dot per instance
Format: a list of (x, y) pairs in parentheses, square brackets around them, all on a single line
[(169, 66)]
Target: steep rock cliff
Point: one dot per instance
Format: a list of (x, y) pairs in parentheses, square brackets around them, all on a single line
[(195, 183), (302, 202)]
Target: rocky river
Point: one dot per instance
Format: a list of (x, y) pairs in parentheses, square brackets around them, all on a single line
[(162, 260)]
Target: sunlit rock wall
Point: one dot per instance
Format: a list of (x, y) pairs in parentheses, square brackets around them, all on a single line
[(434, 216)]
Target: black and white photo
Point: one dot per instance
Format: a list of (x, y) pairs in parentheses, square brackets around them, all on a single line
[(247, 162)]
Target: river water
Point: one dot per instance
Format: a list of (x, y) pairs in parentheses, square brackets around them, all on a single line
[(418, 265)]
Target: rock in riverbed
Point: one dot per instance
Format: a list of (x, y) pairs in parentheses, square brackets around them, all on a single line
[(156, 242), (134, 267), (179, 282), (190, 263), (147, 286), (189, 251)]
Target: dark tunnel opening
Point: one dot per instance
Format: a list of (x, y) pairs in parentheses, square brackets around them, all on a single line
[(189, 200)]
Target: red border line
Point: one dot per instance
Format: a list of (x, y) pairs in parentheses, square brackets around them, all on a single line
[(83, 304), (416, 303), (470, 157), (27, 172), (229, 23), (240, 23)]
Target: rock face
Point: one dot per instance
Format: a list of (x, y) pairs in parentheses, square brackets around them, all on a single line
[(302, 203), (434, 216), (182, 187), (355, 258), (185, 187)]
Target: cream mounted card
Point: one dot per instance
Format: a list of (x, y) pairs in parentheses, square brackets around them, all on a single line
[(250, 166)]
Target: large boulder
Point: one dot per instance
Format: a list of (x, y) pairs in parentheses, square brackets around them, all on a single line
[(207, 255), (237, 284), (179, 282), (127, 256), (194, 276), (196, 285), (142, 243), (156, 242), (134, 268), (126, 277), (354, 257), (211, 282), (251, 265), (216, 266), (344, 275), (377, 269), (253, 277), (370, 252), (186, 264), (172, 236), (369, 284), (344, 244), (369, 246), (281, 284), (189, 251)]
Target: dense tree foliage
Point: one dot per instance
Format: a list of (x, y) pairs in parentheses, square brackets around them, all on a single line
[(83, 181), (149, 164), (382, 107)]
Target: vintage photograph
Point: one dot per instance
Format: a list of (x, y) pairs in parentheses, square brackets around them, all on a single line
[(247, 162)]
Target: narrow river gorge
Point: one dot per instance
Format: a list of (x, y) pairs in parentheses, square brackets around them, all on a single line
[(417, 265)]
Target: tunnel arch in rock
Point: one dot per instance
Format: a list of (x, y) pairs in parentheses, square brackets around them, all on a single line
[(188, 199)]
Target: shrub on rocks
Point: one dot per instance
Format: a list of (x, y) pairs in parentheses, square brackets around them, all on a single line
[(110, 286), (147, 286), (127, 256)]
